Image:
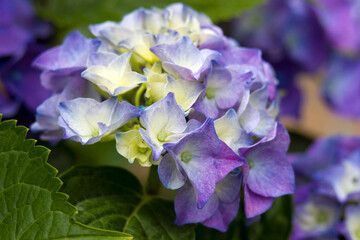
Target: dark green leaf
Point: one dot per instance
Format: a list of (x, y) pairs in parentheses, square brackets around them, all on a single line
[(112, 198), (30, 205)]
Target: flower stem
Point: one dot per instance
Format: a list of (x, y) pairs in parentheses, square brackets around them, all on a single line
[(139, 92)]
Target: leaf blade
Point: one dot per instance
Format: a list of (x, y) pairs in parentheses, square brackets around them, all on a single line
[(146, 218), (31, 206)]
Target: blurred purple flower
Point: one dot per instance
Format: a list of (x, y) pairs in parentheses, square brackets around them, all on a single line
[(315, 216), (328, 179), (19, 31), (298, 36), (341, 87)]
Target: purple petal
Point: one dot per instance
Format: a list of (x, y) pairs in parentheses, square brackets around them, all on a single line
[(343, 34), (229, 95), (265, 125), (186, 206), (264, 178), (226, 161), (342, 85), (73, 52), (169, 173), (211, 160), (86, 120), (48, 59), (250, 118), (179, 71), (228, 189), (225, 213), (47, 113), (164, 115), (57, 80), (13, 41), (206, 106), (255, 204), (189, 63), (277, 138)]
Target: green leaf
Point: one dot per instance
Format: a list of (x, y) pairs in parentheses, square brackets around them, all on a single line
[(69, 14), (30, 205), (112, 198)]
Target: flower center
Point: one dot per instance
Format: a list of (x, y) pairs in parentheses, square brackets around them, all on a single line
[(96, 132), (210, 93), (186, 157), (357, 233), (251, 163), (161, 136), (322, 217), (142, 150), (355, 180)]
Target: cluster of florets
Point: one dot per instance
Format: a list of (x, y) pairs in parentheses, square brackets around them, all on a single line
[(327, 199), (299, 36), (178, 94), (19, 32)]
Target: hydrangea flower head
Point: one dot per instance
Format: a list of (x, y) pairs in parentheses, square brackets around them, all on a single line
[(173, 91)]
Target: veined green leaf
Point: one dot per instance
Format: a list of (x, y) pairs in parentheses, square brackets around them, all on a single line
[(112, 198), (30, 205)]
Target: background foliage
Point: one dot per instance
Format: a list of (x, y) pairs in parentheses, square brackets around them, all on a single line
[(68, 15)]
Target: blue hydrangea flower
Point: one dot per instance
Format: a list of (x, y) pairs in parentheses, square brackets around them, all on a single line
[(164, 122), (86, 120), (189, 63), (61, 61), (177, 93), (47, 113), (112, 73), (224, 88), (202, 158)]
